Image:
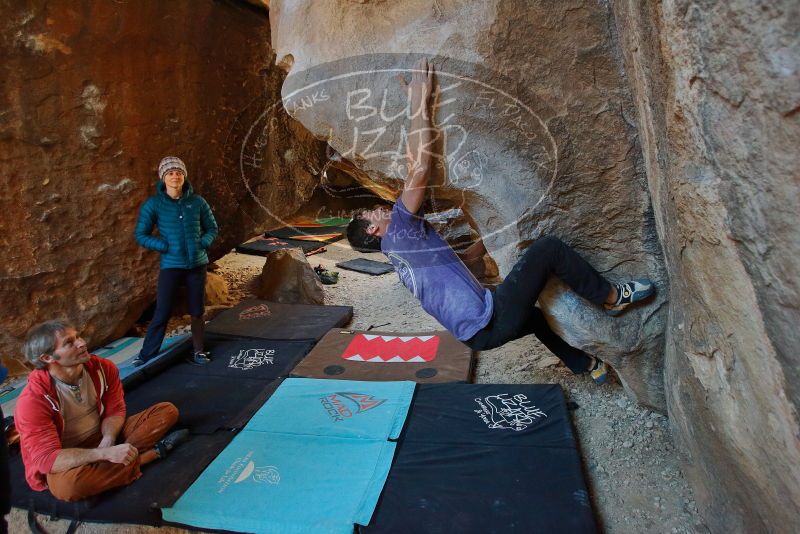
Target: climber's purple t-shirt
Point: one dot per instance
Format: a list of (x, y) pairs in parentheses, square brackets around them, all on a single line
[(430, 269)]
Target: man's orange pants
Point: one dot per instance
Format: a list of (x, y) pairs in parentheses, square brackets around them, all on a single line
[(141, 430)]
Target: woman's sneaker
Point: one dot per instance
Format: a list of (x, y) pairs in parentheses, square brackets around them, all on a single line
[(629, 293), (200, 358), (599, 372)]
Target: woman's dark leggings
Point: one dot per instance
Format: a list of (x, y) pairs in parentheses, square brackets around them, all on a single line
[(168, 282), (515, 312)]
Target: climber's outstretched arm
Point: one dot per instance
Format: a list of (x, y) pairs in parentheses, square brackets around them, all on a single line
[(420, 138)]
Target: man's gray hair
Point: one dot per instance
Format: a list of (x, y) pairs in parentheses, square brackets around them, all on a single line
[(41, 339)]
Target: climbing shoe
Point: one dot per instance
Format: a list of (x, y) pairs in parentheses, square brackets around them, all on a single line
[(629, 293), (325, 276), (199, 358), (172, 440), (599, 372)]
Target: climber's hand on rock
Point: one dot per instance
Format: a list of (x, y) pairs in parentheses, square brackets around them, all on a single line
[(421, 87)]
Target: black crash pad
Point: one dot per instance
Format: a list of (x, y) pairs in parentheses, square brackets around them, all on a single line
[(363, 265), (485, 458), (314, 234), (261, 246), (246, 358), (160, 485), (519, 415), (436, 488), (270, 320), (205, 403)]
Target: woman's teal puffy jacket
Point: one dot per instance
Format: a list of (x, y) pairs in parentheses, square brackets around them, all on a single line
[(186, 228)]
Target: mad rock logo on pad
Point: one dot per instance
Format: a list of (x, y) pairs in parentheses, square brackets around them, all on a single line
[(514, 412), (341, 406), (255, 312), (248, 359)]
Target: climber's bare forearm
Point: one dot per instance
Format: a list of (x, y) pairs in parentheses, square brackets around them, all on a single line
[(420, 138)]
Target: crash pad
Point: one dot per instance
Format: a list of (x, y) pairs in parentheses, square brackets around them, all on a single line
[(306, 222), (161, 483), (363, 265), (237, 357), (266, 483), (313, 459), (312, 233), (425, 357), (271, 320), (340, 408), (485, 458), (527, 415), (261, 246), (206, 403)]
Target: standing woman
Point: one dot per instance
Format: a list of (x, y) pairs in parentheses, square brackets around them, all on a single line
[(186, 229)]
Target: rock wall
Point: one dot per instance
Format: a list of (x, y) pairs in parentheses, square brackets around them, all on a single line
[(92, 95), (717, 90), (536, 136)]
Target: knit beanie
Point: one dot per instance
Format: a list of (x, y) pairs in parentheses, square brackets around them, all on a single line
[(171, 163)]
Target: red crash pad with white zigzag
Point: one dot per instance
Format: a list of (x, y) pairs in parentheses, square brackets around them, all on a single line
[(391, 349), (425, 357)]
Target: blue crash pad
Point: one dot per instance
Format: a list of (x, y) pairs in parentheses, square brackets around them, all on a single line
[(313, 459), (293, 484), (340, 408)]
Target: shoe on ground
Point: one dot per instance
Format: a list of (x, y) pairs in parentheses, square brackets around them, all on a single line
[(172, 440), (325, 276), (630, 293), (199, 358), (138, 362), (329, 277), (599, 372)]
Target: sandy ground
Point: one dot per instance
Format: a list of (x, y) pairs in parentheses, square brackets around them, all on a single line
[(632, 468)]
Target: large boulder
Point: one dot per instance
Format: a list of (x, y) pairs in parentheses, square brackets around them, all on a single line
[(536, 137), (717, 91), (92, 95)]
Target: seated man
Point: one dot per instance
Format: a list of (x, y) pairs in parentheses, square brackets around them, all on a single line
[(74, 436), (430, 269)]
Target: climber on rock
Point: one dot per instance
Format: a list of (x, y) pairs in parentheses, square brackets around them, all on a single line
[(430, 269)]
